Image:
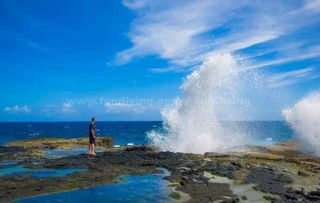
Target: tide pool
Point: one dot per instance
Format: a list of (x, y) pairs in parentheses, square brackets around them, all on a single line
[(146, 188), (39, 173), (54, 153)]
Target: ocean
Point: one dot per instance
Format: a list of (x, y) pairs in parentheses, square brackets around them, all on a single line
[(263, 132)]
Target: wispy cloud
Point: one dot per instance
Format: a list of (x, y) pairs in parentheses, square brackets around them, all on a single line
[(17, 109), (167, 31), (185, 32), (67, 107), (293, 77), (307, 54), (132, 4), (124, 108), (32, 44), (309, 6)]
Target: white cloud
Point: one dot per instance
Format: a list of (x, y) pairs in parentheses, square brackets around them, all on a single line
[(173, 30), (291, 56), (293, 77), (249, 41), (133, 4), (185, 32), (167, 32), (313, 5), (17, 109), (170, 69), (309, 6), (67, 107), (123, 108), (279, 61), (193, 62)]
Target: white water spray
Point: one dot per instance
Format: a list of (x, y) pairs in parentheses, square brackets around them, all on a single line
[(193, 124), (304, 118)]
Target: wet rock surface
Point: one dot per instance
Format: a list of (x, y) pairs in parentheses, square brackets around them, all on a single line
[(268, 180), (279, 179), (61, 143)]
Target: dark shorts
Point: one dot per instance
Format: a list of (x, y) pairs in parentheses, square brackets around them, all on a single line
[(92, 140)]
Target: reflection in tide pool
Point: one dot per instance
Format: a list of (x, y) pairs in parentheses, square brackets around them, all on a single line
[(147, 188)]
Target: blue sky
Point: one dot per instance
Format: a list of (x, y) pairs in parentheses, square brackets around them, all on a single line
[(125, 60)]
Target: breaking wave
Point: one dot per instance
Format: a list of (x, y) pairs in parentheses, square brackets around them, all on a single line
[(304, 118), (210, 95)]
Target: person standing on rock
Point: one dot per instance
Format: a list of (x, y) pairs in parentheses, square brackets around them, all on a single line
[(92, 136)]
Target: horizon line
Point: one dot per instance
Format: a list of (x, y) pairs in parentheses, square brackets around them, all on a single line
[(129, 121)]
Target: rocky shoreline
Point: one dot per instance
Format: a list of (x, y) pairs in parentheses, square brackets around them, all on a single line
[(272, 174)]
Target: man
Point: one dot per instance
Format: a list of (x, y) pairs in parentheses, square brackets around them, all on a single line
[(92, 136)]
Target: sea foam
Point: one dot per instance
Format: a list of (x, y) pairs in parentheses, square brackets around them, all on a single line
[(193, 123), (304, 118)]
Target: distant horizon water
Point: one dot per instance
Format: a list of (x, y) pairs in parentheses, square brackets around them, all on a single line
[(65, 121), (124, 132)]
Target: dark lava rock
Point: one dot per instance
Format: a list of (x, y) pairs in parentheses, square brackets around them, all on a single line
[(244, 198), (4, 149), (315, 193), (207, 192), (302, 173), (268, 180), (302, 196), (175, 195), (215, 155), (314, 196), (272, 182), (222, 169), (103, 168), (186, 172), (139, 148), (269, 198), (231, 200)]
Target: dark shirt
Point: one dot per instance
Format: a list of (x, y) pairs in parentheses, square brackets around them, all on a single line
[(92, 127)]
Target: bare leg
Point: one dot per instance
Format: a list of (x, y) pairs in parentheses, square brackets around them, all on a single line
[(93, 150), (90, 149)]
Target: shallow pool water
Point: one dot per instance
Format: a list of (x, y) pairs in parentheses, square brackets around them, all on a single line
[(6, 163), (39, 173), (146, 188), (70, 152)]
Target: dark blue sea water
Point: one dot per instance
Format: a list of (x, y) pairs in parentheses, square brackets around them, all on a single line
[(122, 132), (265, 132)]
